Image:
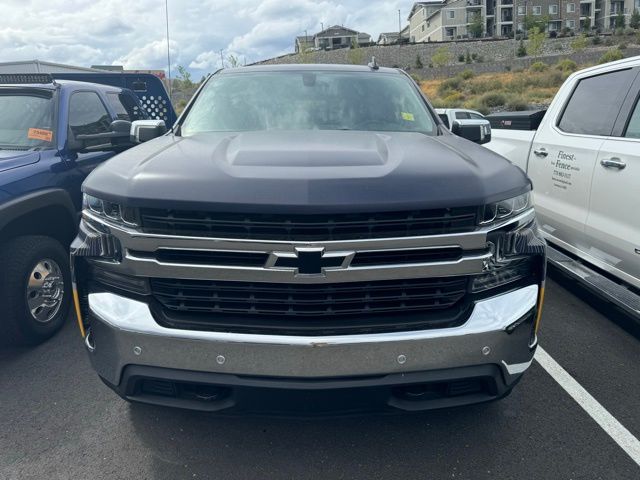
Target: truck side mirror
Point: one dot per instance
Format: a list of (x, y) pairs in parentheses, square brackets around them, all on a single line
[(478, 131), (144, 130), (116, 138)]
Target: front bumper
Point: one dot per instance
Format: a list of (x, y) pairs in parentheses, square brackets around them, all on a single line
[(124, 337)]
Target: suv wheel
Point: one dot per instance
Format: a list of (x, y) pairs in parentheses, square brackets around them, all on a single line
[(35, 285)]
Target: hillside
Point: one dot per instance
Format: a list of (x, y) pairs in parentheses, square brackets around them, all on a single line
[(520, 89)]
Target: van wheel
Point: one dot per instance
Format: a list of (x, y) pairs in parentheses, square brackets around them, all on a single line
[(35, 288)]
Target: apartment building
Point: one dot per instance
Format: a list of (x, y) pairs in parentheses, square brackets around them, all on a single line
[(441, 20), (607, 18)]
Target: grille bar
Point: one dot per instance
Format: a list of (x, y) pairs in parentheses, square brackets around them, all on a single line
[(292, 300), (309, 227)]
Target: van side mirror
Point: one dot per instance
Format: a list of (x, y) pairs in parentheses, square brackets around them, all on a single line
[(478, 131), (144, 130)]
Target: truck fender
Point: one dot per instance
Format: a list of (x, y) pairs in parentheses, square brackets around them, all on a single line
[(62, 226)]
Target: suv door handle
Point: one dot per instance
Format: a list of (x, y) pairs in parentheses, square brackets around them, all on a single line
[(541, 152), (613, 162)]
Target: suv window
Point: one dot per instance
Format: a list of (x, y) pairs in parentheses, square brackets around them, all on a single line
[(596, 103), (126, 108), (462, 116), (633, 129), (475, 116), (88, 115)]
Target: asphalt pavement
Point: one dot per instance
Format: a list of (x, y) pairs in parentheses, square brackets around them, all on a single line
[(58, 421)]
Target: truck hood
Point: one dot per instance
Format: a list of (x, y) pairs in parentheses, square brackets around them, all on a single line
[(315, 171), (12, 159)]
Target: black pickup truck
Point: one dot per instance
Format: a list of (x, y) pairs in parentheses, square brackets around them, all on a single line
[(307, 231)]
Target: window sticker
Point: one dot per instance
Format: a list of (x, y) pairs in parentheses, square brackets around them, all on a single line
[(40, 134), (408, 117)]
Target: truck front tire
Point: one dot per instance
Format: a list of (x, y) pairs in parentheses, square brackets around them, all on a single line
[(35, 289)]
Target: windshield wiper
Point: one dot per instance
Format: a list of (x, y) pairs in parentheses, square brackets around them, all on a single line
[(21, 148)]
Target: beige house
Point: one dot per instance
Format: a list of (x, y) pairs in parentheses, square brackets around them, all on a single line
[(441, 20)]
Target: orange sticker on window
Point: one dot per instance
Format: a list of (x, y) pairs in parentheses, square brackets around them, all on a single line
[(40, 134)]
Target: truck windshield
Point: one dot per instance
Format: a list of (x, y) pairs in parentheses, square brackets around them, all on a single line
[(26, 121), (309, 100)]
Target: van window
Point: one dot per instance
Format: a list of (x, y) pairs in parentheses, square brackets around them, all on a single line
[(596, 102)]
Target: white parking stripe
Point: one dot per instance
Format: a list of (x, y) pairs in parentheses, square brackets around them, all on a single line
[(622, 436)]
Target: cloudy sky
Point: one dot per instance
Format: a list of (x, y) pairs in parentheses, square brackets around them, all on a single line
[(132, 32)]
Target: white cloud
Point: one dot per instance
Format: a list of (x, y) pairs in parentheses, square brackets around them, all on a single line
[(132, 33)]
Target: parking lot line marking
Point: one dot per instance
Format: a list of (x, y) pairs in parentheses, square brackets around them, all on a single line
[(622, 436)]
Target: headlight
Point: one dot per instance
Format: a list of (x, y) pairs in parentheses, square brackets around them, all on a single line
[(95, 240), (518, 252), (505, 209), (110, 211)]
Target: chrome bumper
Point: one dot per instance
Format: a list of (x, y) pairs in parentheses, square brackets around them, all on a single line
[(123, 332)]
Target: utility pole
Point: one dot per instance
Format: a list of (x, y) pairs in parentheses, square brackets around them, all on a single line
[(399, 37), (166, 13)]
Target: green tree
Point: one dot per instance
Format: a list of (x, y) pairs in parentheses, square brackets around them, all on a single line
[(530, 22), (355, 54), (476, 27), (634, 21), (184, 78), (536, 42), (586, 24), (620, 20), (522, 50), (580, 43), (419, 64), (441, 57), (233, 61)]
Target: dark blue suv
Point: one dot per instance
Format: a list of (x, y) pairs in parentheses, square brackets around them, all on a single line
[(53, 133)]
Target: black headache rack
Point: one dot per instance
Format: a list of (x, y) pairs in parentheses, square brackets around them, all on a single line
[(147, 87), (26, 79), (526, 120)]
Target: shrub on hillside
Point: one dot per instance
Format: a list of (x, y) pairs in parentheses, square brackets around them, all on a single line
[(476, 104), (481, 85), (467, 74), (517, 104), (453, 100), (567, 65), (579, 43), (538, 67), (450, 84), (596, 40), (611, 56), (522, 50), (493, 99)]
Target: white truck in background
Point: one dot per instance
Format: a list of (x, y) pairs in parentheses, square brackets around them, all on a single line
[(584, 161)]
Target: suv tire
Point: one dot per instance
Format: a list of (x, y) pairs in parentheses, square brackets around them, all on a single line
[(35, 288)]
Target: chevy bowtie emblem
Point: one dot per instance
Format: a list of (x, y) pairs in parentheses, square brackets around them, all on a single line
[(310, 261)]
